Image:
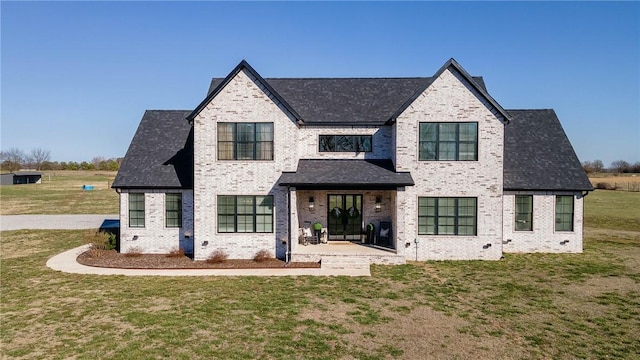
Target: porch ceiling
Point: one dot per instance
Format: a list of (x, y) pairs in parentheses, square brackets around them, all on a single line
[(346, 174)]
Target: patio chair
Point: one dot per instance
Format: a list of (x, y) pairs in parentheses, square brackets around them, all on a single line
[(384, 234), (307, 234)]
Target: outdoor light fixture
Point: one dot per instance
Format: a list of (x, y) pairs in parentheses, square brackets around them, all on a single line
[(205, 243), (311, 203), (378, 204), (135, 237)]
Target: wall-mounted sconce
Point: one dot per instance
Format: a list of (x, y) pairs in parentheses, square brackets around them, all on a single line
[(312, 204), (187, 234), (486, 246), (135, 237), (378, 203), (506, 241), (564, 242), (205, 243)]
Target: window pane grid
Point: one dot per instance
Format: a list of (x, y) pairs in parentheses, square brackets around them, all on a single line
[(245, 214), (136, 210), (564, 213), (524, 213), (345, 143), (447, 216), (448, 141), (245, 141), (173, 212)]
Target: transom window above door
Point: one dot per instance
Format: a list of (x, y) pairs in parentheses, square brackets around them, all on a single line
[(345, 143)]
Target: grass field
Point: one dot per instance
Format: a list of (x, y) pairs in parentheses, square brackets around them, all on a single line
[(554, 306), (61, 193)]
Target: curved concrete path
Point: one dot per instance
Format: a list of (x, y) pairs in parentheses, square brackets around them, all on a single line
[(66, 262), (54, 222)]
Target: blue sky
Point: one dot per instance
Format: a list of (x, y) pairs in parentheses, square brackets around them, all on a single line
[(76, 77)]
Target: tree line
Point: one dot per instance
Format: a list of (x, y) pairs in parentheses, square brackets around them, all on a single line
[(616, 167), (15, 159)]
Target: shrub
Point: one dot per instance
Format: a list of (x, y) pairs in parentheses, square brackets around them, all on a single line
[(176, 253), (262, 255), (217, 257), (99, 243), (133, 252)]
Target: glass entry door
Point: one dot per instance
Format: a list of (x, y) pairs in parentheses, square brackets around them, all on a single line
[(345, 217)]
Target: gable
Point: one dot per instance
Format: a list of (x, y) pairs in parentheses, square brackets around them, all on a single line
[(245, 69), (477, 88)]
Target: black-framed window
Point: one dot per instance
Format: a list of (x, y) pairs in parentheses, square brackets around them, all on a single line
[(524, 213), (447, 141), (245, 214), (564, 213), (173, 210), (447, 216), (136, 210), (245, 141), (345, 143)]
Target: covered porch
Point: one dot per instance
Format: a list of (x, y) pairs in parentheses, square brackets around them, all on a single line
[(344, 210)]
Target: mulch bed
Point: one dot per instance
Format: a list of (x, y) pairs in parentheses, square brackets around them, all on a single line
[(113, 259)]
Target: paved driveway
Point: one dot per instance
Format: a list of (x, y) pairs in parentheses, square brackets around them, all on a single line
[(68, 222)]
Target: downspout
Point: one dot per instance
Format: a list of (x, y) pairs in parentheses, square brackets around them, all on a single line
[(288, 255)]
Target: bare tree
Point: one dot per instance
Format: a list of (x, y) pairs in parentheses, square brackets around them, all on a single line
[(97, 160), (620, 166), (39, 156), (12, 159)]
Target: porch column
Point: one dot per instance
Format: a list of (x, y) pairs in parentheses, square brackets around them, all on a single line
[(401, 212), (293, 218)]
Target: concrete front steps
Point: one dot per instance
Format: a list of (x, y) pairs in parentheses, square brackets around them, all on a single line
[(354, 265)]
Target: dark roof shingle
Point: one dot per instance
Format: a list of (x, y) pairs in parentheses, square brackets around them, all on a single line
[(160, 154), (332, 101), (538, 154), (346, 174)]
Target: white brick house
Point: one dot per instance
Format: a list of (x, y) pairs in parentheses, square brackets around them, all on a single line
[(435, 164)]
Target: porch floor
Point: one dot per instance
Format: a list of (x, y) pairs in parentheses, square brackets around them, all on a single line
[(346, 249)]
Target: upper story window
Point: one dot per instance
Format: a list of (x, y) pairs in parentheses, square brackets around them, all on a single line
[(245, 141), (345, 143), (448, 141), (136, 210)]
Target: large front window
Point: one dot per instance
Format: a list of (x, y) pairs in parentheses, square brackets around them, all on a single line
[(448, 141), (136, 210), (345, 143), (245, 141), (245, 214), (564, 213), (524, 213), (447, 216)]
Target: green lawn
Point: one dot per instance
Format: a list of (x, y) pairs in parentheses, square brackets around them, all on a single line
[(61, 193), (560, 306)]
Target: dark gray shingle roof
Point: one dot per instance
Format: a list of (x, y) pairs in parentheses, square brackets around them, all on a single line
[(346, 174), (160, 154), (538, 154), (327, 101)]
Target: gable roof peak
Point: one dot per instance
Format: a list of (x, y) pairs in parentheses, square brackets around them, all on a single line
[(243, 65)]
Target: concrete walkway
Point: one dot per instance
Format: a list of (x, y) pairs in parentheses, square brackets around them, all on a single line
[(66, 262), (54, 222)]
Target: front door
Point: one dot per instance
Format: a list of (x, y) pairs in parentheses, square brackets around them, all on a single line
[(345, 217)]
